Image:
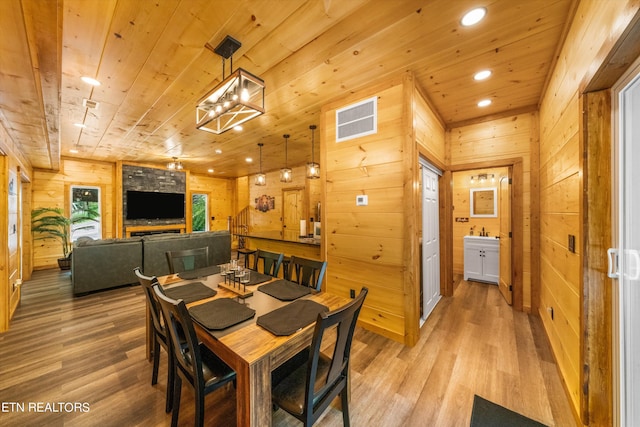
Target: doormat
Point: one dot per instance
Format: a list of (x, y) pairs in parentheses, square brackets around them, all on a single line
[(489, 414)]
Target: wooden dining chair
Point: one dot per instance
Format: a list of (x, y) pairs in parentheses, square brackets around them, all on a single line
[(194, 362), (306, 272), (160, 337), (187, 259), (306, 389), (271, 262)]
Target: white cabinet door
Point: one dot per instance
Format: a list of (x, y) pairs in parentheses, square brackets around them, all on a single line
[(481, 259), (472, 263), (491, 264)]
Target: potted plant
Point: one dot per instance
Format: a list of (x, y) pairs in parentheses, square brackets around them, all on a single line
[(51, 223)]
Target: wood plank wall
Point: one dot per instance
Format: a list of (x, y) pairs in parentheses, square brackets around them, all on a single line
[(220, 192), (51, 189), (271, 221), (493, 142), (377, 245), (595, 28)]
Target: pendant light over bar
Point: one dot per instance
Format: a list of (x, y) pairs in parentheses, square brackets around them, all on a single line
[(237, 99), (261, 179), (313, 169), (285, 173)]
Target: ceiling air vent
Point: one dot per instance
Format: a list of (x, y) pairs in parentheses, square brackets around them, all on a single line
[(89, 103), (357, 120)]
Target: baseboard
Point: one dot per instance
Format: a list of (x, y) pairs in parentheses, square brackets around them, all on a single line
[(574, 412)]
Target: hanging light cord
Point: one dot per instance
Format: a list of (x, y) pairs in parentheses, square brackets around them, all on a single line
[(286, 156), (313, 128)]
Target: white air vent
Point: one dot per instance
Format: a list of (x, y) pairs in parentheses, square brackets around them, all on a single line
[(89, 103), (357, 120)]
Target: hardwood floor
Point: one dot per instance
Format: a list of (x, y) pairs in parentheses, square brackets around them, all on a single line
[(63, 351)]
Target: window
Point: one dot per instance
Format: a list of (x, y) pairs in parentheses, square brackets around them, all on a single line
[(86, 212), (199, 211)]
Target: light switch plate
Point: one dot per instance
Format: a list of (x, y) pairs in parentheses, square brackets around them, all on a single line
[(572, 243), (362, 200)]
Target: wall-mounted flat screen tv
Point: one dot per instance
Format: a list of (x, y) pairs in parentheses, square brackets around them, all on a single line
[(154, 205)]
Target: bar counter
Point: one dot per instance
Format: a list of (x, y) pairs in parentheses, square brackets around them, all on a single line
[(305, 247)]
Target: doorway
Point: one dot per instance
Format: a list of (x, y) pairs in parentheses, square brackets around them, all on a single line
[(624, 257), (430, 242), (462, 224), (292, 213)]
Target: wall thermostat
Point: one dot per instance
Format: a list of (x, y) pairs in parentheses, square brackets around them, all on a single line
[(362, 200)]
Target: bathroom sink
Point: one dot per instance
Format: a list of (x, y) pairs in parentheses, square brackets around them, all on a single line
[(481, 237)]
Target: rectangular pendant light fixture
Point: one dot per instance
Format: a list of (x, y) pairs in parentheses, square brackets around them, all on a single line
[(237, 99)]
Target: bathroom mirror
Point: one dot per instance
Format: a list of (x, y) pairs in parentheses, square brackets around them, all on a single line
[(483, 202)]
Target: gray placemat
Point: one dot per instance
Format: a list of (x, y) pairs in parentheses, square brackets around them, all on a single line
[(221, 313), (292, 317), (284, 290), (199, 272), (257, 278), (190, 292)]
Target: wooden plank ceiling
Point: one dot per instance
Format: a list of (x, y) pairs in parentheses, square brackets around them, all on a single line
[(151, 59)]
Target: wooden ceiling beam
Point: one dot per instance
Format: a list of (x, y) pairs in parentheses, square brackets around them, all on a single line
[(43, 22)]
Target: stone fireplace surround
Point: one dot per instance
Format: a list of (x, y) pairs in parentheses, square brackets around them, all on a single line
[(140, 178)]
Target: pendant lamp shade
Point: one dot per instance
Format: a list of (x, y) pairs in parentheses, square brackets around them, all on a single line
[(313, 168), (285, 173)]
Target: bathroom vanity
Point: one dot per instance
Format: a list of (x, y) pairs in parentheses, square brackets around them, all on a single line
[(481, 258)]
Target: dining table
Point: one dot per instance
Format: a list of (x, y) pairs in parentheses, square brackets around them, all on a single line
[(252, 351)]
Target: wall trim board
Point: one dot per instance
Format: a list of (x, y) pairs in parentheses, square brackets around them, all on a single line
[(597, 294), (615, 56), (411, 198)]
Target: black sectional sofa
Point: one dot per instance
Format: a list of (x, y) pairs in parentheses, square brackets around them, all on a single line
[(108, 263)]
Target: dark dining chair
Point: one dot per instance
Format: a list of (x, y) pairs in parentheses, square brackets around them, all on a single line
[(271, 262), (160, 337), (306, 272), (306, 389), (187, 259), (194, 362)]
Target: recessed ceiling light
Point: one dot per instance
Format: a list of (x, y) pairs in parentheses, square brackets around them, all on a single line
[(482, 75), (237, 128), (473, 16), (210, 170), (90, 80), (218, 151), (248, 160), (80, 125), (73, 151), (484, 103)]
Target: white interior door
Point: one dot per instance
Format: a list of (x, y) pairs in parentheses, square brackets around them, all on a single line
[(430, 242), (625, 259)]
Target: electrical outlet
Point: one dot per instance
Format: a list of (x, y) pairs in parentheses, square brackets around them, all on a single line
[(352, 293), (572, 243)]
